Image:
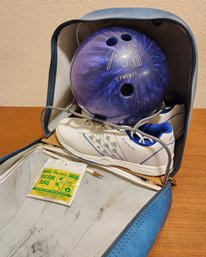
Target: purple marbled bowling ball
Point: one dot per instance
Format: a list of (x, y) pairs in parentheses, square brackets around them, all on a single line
[(119, 75)]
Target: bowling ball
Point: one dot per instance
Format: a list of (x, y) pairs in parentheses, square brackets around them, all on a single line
[(119, 75)]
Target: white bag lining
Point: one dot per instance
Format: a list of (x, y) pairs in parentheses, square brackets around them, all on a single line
[(100, 211)]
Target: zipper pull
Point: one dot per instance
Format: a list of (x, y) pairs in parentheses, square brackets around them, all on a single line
[(173, 181)]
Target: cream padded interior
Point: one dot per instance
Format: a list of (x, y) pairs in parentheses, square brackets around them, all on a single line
[(101, 210)]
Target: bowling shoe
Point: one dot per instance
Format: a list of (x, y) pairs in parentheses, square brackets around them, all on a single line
[(99, 144)]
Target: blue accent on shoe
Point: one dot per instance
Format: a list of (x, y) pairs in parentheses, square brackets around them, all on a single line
[(156, 130), (138, 237)]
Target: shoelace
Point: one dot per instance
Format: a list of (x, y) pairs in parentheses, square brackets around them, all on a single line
[(142, 138), (95, 125), (70, 110), (100, 126)]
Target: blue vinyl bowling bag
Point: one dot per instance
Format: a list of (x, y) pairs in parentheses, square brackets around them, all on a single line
[(112, 217)]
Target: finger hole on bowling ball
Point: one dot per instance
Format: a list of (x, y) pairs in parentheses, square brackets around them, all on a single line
[(157, 23), (126, 37), (112, 41), (126, 90)]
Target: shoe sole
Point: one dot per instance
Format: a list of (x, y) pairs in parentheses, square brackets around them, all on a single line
[(108, 161)]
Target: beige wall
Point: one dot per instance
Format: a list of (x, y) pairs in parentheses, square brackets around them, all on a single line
[(26, 27)]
